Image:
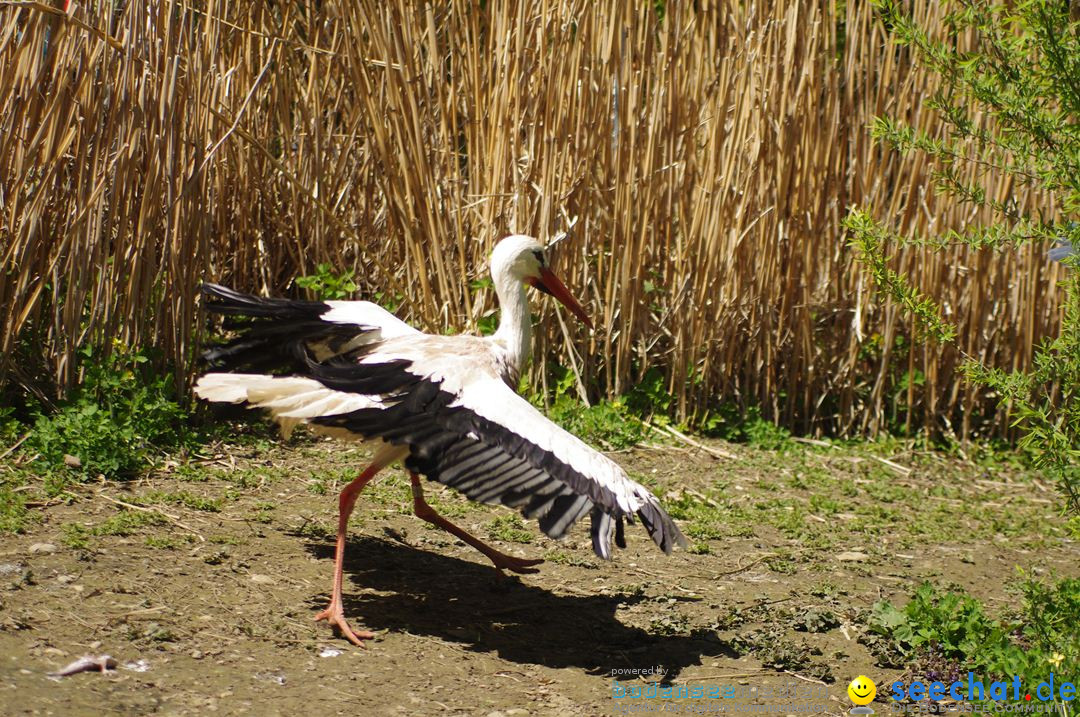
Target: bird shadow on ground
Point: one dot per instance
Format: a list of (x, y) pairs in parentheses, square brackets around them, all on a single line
[(426, 593)]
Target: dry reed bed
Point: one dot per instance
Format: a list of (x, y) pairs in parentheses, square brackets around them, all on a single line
[(702, 163)]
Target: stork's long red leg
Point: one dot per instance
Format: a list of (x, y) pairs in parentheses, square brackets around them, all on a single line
[(334, 614), (502, 560)]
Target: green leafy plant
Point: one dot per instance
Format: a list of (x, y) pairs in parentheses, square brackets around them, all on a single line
[(114, 424), (608, 424), (325, 284), (748, 426), (1019, 73), (488, 324), (650, 399), (9, 425), (1039, 639)]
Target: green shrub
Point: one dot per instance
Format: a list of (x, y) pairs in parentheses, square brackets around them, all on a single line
[(1020, 77), (1039, 639), (611, 425), (115, 423), (607, 424), (732, 424)]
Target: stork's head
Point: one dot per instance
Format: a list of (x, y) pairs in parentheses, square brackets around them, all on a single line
[(524, 259)]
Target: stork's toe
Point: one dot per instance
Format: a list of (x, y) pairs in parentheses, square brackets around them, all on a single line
[(516, 565), (335, 617)]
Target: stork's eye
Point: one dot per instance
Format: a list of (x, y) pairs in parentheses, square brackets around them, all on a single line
[(539, 256)]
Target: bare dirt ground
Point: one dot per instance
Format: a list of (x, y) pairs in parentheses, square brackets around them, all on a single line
[(205, 592)]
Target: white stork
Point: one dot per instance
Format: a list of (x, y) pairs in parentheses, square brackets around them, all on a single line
[(444, 405)]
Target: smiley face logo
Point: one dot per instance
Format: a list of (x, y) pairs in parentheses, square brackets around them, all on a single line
[(862, 690)]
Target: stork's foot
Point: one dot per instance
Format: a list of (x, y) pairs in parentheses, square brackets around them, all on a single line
[(335, 616), (515, 565)]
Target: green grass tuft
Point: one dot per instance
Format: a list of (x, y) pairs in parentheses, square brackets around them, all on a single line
[(14, 515), (122, 524), (509, 528), (183, 498), (563, 558)]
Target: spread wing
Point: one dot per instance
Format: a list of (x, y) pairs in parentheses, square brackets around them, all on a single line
[(467, 429)]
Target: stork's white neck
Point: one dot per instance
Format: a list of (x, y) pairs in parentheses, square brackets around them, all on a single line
[(515, 323)]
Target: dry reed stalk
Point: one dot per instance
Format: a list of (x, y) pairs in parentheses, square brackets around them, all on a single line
[(707, 158)]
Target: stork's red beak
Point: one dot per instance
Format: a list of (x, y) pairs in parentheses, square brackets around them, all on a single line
[(548, 283)]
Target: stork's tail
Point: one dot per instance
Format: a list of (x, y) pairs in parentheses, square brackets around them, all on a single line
[(277, 336)]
